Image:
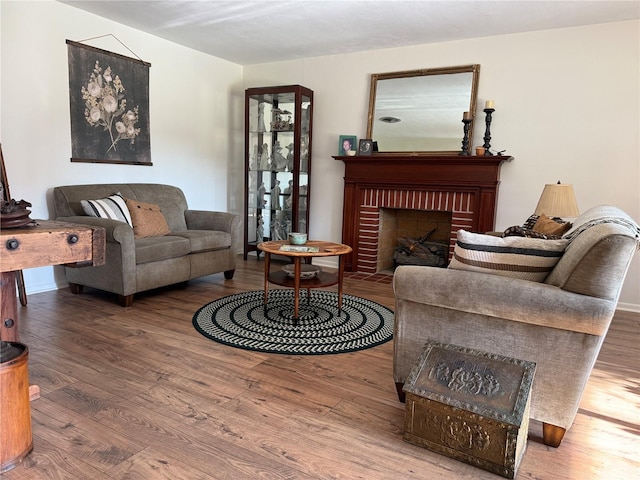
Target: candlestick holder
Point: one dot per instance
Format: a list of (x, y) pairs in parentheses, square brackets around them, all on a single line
[(465, 139), (487, 133)]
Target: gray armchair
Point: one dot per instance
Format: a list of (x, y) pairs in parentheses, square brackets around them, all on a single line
[(559, 324)]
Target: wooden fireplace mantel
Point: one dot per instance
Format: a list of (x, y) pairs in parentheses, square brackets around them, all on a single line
[(423, 169), (478, 177)]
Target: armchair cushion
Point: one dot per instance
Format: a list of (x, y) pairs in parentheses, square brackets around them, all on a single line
[(531, 221), (113, 207), (518, 231), (550, 226), (539, 226), (515, 257), (147, 219)]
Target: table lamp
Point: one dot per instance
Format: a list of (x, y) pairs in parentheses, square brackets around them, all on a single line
[(558, 200)]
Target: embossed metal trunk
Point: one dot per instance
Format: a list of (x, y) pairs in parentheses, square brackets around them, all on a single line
[(470, 405)]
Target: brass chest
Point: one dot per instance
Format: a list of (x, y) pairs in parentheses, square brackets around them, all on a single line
[(470, 405)]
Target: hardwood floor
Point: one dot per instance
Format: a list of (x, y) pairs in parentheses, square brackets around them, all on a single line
[(137, 393)]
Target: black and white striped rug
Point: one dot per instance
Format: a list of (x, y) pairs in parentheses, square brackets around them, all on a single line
[(242, 321)]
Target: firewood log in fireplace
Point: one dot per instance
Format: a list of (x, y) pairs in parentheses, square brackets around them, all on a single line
[(420, 251)]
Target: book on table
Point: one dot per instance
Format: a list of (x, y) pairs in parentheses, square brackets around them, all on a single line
[(299, 249)]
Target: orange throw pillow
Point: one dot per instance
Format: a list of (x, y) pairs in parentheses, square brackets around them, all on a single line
[(549, 226), (147, 219)]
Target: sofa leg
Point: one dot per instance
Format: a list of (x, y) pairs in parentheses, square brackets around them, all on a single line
[(552, 435), (125, 300), (401, 394), (75, 288), (228, 274)]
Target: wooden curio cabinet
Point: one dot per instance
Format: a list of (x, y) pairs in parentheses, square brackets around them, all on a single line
[(278, 122)]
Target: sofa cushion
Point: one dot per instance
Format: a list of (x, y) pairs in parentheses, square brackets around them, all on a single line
[(113, 207), (171, 200), (147, 219), (154, 249), (516, 257), (206, 240)]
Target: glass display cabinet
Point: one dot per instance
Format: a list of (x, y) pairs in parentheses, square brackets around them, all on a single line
[(278, 122)]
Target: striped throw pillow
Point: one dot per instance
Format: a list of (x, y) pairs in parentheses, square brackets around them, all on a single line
[(113, 207), (515, 257)]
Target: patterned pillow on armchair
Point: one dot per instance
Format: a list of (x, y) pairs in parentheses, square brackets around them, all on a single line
[(539, 226)]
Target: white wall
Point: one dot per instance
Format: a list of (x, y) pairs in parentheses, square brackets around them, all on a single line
[(567, 108), (196, 115)]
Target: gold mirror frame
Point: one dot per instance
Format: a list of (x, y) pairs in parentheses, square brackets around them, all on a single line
[(440, 91)]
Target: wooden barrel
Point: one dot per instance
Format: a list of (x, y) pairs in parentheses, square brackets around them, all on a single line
[(16, 441)]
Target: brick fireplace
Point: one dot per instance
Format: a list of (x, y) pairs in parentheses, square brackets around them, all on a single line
[(465, 186)]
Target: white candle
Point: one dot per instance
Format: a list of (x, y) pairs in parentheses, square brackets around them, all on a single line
[(466, 116), (488, 104)]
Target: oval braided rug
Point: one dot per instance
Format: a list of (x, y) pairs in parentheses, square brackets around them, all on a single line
[(241, 321)]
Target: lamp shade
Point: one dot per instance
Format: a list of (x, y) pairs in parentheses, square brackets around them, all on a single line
[(558, 200)]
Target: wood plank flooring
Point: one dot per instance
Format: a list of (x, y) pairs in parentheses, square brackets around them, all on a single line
[(137, 393)]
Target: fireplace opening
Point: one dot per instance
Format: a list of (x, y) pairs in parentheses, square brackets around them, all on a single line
[(413, 237)]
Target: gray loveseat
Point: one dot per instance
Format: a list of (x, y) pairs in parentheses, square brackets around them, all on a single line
[(200, 242), (559, 323)]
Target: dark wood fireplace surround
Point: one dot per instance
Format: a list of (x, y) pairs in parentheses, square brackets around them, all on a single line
[(471, 178)]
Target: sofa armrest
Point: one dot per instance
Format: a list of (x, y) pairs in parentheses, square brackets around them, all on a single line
[(502, 297), (116, 232), (207, 220), (220, 221)]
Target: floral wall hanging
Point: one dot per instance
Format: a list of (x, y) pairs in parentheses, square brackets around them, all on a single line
[(109, 99)]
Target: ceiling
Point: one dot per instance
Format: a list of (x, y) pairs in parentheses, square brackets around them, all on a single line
[(250, 32)]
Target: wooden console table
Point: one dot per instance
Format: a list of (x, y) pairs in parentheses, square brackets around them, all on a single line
[(45, 243)]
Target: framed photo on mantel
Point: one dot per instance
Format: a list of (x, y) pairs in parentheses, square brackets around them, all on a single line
[(365, 146), (346, 144)]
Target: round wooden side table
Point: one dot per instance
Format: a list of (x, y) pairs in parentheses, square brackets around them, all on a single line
[(311, 249)]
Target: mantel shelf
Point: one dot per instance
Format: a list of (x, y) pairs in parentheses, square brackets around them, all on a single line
[(380, 158), (423, 169)]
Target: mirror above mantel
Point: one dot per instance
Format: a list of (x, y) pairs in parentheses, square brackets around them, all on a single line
[(419, 112)]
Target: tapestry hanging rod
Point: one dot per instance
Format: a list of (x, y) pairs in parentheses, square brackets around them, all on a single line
[(80, 44)]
